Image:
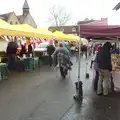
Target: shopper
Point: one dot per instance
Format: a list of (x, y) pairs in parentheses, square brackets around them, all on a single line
[(61, 57), (67, 46), (96, 68), (23, 50), (84, 50), (50, 51), (11, 53), (72, 48), (30, 50), (105, 66)]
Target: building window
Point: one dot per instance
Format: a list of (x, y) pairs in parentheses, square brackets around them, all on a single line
[(16, 23), (11, 22), (62, 30), (74, 29), (75, 34)]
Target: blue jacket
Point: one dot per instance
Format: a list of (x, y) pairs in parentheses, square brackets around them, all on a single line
[(61, 56)]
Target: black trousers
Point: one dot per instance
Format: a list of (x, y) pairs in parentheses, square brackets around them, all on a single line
[(96, 80), (63, 72), (50, 61), (92, 61), (11, 61), (84, 52)]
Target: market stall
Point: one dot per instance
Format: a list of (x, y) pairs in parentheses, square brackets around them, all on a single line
[(116, 69), (101, 34), (22, 41)]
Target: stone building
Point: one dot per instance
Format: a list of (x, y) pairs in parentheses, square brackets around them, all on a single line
[(10, 18), (25, 18), (13, 19), (73, 29)]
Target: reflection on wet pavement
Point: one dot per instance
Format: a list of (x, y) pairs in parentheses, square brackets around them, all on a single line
[(39, 95), (95, 108)]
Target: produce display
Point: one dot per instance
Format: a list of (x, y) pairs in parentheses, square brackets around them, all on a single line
[(116, 62)]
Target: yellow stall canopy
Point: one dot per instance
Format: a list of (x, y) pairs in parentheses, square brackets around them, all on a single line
[(61, 36), (29, 31), (11, 30), (45, 33), (73, 38), (26, 30), (7, 29)]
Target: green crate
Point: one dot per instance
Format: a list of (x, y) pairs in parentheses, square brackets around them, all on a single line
[(4, 72)]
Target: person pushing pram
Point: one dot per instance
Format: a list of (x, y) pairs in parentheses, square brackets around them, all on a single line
[(61, 57)]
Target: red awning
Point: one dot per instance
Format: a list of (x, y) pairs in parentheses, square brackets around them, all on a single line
[(99, 30), (99, 22), (104, 31)]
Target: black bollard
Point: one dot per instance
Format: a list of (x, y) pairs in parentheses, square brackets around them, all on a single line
[(87, 76), (79, 91)]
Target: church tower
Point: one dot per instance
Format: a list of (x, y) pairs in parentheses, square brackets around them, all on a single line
[(25, 8)]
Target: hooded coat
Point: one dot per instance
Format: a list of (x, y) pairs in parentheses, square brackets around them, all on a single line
[(104, 57)]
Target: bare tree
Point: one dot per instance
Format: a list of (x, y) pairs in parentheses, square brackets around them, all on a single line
[(58, 16)]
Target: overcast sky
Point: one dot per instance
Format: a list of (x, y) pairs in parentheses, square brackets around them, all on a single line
[(79, 9)]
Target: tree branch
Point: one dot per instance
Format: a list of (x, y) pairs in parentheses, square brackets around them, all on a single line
[(58, 16)]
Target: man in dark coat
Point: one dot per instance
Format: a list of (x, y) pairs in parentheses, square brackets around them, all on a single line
[(11, 53), (105, 66), (50, 51), (30, 50)]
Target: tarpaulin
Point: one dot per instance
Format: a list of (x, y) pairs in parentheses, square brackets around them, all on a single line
[(100, 30), (104, 31)]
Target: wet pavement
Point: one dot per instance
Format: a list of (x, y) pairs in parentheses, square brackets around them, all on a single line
[(41, 95)]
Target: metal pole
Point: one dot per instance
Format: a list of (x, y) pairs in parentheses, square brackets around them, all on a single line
[(79, 91), (79, 62)]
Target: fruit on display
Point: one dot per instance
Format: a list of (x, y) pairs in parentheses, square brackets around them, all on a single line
[(116, 62)]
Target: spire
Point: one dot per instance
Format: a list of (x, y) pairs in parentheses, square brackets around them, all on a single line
[(25, 8)]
